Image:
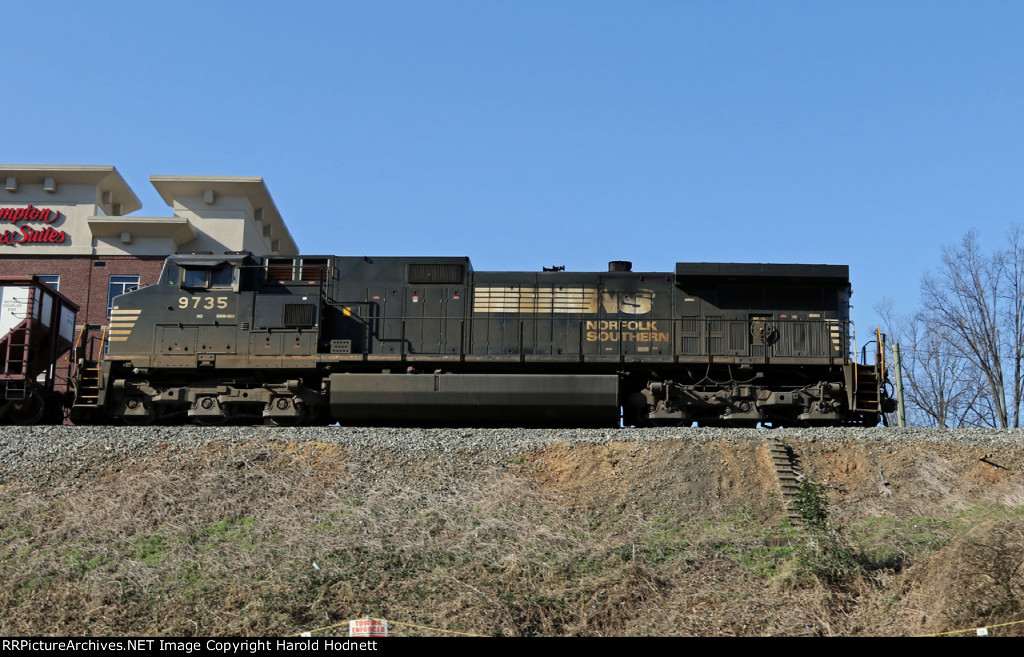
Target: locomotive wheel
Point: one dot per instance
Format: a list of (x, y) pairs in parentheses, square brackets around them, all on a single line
[(300, 415), (27, 411), (320, 416), (139, 420), (214, 421), (83, 416), (290, 421)]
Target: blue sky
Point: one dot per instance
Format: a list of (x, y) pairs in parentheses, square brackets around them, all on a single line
[(525, 134)]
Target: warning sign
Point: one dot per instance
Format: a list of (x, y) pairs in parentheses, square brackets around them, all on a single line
[(367, 627)]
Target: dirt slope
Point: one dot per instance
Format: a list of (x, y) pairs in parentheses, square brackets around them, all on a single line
[(261, 532)]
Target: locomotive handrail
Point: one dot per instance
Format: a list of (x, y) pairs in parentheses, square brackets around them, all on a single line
[(709, 336), (853, 338), (78, 341), (880, 356), (879, 353), (73, 359), (103, 343)]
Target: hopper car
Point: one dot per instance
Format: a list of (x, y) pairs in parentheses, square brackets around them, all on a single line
[(37, 326)]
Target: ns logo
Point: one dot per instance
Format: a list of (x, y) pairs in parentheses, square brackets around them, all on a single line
[(628, 303)]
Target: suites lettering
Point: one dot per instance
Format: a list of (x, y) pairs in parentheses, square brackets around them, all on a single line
[(34, 228)]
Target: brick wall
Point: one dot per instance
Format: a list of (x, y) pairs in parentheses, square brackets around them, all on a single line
[(84, 279)]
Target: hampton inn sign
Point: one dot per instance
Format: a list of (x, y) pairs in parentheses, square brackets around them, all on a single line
[(31, 226)]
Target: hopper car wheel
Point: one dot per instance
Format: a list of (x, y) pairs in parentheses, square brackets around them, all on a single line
[(27, 411)]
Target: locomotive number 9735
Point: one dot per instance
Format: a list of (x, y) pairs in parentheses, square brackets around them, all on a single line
[(430, 341)]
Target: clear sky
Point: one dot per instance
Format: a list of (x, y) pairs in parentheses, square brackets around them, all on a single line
[(525, 133)]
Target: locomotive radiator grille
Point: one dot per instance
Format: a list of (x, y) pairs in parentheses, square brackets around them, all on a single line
[(299, 314), (536, 299), (420, 273)]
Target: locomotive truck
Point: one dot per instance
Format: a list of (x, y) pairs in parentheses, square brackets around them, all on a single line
[(429, 341)]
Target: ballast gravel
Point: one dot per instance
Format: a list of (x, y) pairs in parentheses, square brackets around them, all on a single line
[(58, 455)]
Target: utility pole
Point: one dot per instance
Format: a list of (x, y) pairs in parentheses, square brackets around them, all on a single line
[(901, 409)]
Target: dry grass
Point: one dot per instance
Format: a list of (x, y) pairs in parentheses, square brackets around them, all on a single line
[(274, 540)]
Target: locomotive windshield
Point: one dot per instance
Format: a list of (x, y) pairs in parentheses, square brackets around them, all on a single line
[(201, 278)]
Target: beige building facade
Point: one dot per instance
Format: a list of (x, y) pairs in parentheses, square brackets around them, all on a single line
[(79, 227), (90, 213)]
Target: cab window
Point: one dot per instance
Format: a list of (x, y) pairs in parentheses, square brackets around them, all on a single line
[(202, 278), (196, 278), (222, 276)]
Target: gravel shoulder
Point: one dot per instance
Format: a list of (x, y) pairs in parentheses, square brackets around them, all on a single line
[(867, 471)]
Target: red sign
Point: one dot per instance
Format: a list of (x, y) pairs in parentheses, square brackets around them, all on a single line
[(39, 233), (368, 627)]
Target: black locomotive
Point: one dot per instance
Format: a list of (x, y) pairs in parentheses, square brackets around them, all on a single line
[(429, 341)]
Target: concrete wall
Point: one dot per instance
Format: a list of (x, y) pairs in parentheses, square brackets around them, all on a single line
[(227, 222), (75, 203)]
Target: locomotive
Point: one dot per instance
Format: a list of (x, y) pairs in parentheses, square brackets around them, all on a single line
[(429, 341)]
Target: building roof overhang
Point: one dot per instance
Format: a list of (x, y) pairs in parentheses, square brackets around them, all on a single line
[(250, 187), (104, 176), (177, 229)]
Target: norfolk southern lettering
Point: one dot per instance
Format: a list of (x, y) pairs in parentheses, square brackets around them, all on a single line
[(626, 331)]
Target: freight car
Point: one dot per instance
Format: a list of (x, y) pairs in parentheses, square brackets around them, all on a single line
[(37, 324), (430, 341)]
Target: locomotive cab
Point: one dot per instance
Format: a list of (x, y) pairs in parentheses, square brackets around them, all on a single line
[(196, 272), (219, 338)]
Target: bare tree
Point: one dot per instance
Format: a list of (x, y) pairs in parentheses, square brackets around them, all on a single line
[(973, 309), (941, 388), (1010, 264)]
